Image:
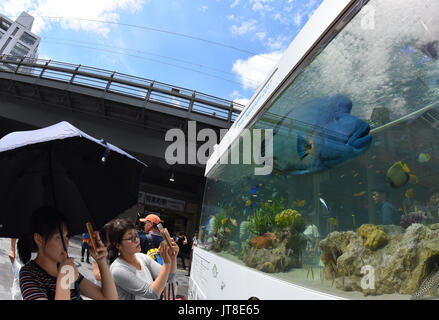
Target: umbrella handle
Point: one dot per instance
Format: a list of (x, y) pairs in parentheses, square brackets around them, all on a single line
[(62, 239), (106, 153)]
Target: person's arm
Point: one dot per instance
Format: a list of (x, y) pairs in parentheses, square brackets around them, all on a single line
[(12, 250), (65, 279), (161, 280), (108, 290)]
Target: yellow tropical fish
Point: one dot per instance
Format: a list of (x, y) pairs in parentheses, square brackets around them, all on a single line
[(359, 194), (413, 179), (299, 203), (333, 221), (409, 193), (399, 175), (248, 203), (424, 157)]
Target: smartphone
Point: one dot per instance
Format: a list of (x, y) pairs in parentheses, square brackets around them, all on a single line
[(90, 232), (165, 234)]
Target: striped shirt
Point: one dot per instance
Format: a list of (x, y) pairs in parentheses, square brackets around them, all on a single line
[(36, 283)]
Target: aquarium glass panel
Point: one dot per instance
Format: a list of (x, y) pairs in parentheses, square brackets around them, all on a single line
[(351, 207)]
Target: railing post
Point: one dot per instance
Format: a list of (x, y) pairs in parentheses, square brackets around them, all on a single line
[(149, 91), (18, 65), (110, 81), (44, 68), (191, 103), (229, 118), (74, 74)]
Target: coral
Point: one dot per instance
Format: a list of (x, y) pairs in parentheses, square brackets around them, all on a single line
[(262, 242), (401, 265), (374, 235), (290, 218), (412, 217)]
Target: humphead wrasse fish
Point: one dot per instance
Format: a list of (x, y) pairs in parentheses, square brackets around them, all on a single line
[(318, 135)]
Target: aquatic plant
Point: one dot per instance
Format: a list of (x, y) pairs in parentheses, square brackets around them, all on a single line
[(263, 219), (260, 223), (412, 217)]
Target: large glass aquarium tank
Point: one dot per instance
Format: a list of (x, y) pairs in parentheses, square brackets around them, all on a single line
[(351, 206)]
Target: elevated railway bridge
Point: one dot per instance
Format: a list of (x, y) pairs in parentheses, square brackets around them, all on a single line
[(131, 112)]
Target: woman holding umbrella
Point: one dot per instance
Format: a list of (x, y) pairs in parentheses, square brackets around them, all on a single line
[(52, 273)]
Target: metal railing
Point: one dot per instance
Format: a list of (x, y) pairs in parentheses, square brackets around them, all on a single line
[(123, 84)]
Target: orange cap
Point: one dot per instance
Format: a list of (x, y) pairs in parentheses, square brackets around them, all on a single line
[(151, 217)]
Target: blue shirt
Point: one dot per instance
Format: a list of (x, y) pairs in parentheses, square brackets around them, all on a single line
[(155, 239), (388, 214)]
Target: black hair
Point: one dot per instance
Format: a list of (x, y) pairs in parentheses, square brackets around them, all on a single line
[(46, 222), (116, 229)]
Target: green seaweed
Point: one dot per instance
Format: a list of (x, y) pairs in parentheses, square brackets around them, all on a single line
[(263, 219)]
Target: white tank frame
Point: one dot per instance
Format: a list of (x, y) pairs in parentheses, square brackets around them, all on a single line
[(214, 277)]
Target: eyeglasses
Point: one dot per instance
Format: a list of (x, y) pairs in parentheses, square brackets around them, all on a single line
[(133, 238)]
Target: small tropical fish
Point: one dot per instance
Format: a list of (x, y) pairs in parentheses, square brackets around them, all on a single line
[(299, 203), (342, 176), (370, 166), (424, 157), (409, 193), (248, 203), (429, 284), (333, 221), (234, 222), (318, 135), (324, 204), (399, 175), (359, 194), (254, 189), (356, 175)]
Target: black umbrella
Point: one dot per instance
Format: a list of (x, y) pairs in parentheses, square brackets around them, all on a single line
[(84, 178)]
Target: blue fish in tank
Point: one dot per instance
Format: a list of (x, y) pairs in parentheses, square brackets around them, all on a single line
[(318, 135)]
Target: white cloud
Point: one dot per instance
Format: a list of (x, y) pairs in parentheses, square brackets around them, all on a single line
[(255, 69), (105, 10), (203, 8), (243, 101), (245, 27), (261, 5), (234, 4), (239, 98), (277, 43), (297, 19), (231, 17), (261, 35)]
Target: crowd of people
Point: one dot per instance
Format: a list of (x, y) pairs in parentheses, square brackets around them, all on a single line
[(128, 263)]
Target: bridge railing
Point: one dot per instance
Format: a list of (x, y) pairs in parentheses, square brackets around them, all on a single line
[(123, 84)]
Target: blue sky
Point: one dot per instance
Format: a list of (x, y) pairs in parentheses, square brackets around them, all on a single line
[(238, 41)]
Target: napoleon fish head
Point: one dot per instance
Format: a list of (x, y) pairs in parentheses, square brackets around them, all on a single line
[(324, 135), (350, 140)]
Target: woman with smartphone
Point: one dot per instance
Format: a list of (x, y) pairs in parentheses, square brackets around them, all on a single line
[(52, 275), (137, 275)]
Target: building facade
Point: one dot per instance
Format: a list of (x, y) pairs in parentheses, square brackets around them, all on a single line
[(16, 38)]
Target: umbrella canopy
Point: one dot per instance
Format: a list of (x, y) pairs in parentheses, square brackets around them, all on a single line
[(86, 179)]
